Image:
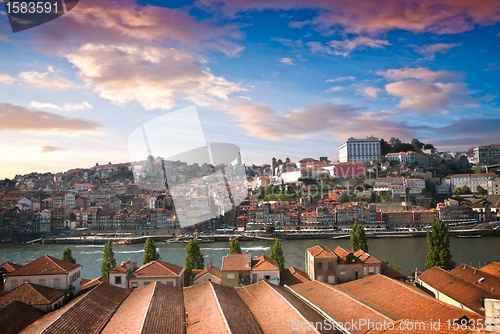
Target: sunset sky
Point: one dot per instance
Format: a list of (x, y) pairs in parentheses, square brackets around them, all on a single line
[(278, 78)]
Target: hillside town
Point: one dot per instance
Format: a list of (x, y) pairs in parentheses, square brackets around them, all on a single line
[(373, 183)]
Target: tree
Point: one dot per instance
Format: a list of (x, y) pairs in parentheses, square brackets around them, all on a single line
[(395, 141), (108, 261), (150, 253), (382, 159), (457, 191), (466, 190), (66, 255), (277, 255), (481, 190), (395, 266), (234, 247), (316, 243), (417, 144), (428, 146), (385, 147), (270, 229), (438, 241), (358, 238), (194, 260)]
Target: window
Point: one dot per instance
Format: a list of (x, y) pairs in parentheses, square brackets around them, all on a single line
[(330, 265), (118, 280), (371, 270), (134, 285), (342, 273), (170, 283), (57, 283), (267, 277), (320, 266), (230, 276)]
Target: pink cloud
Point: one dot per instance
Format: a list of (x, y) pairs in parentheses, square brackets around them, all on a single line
[(430, 50), (341, 121), (125, 21), (420, 73), (344, 47), (371, 17), (50, 149), (17, 118)]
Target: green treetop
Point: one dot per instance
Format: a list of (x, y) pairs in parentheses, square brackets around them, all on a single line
[(66, 256), (150, 253), (194, 260), (108, 261), (438, 241), (358, 238), (277, 255), (234, 247)]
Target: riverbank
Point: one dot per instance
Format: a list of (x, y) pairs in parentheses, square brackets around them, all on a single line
[(98, 240)]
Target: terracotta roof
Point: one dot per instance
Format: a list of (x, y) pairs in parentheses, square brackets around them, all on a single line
[(213, 308), (264, 263), (293, 276), (357, 163), (366, 258), (32, 294), (493, 268), (210, 269), (455, 288), (237, 262), (165, 311), (91, 313), (321, 252), (157, 269), (389, 272), (275, 308), (476, 276), (44, 265), (327, 298), (16, 316), (93, 283), (8, 267), (401, 299)]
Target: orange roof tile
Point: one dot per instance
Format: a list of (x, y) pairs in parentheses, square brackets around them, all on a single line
[(321, 252), (476, 276), (293, 276), (264, 263), (455, 288), (44, 265), (157, 269), (493, 268), (402, 299), (210, 269), (32, 294), (237, 262), (16, 316)]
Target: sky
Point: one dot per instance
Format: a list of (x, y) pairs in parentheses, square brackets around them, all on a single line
[(278, 78)]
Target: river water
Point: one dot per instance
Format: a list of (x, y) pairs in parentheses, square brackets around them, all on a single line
[(407, 252)]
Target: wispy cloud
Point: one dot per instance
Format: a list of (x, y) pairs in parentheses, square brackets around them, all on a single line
[(288, 42), (369, 91), (65, 106), (335, 89), (287, 61), (430, 50), (345, 47), (373, 17), (17, 118), (50, 79), (50, 149), (340, 79), (421, 73), (6, 79)]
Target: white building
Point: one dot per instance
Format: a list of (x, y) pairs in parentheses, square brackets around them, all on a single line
[(69, 199), (469, 180), (363, 150), (45, 221), (46, 271), (119, 275), (409, 157), (265, 269)]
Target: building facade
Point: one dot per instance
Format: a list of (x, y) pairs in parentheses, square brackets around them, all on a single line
[(363, 150)]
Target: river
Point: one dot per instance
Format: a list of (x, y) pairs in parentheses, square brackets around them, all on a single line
[(407, 252)]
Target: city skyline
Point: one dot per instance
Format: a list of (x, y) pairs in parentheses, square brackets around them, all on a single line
[(284, 79)]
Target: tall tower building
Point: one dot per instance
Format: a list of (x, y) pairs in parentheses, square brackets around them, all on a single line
[(363, 150)]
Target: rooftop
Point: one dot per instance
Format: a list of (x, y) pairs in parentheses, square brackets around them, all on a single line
[(44, 265), (264, 263), (157, 269), (237, 262), (16, 316), (293, 276), (32, 294)]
